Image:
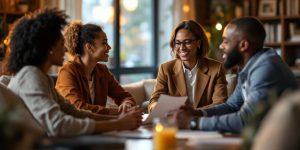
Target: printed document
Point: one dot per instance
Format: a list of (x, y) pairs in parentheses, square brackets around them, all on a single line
[(165, 104)]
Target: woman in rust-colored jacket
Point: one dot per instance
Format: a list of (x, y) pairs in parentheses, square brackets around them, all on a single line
[(83, 81)]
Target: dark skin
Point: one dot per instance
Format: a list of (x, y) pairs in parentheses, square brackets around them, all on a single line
[(127, 120), (231, 39)]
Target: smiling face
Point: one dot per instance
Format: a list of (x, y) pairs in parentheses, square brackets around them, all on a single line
[(230, 47), (185, 45), (57, 52), (101, 48)]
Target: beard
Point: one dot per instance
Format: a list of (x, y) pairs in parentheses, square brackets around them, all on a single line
[(234, 58)]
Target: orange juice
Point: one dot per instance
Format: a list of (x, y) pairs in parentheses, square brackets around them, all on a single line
[(165, 139)]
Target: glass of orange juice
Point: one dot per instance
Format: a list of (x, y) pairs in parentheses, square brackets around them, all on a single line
[(164, 134)]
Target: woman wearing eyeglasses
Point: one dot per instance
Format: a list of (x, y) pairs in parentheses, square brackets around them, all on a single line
[(191, 73)]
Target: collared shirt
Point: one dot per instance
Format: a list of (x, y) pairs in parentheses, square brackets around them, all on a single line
[(264, 71), (190, 78)]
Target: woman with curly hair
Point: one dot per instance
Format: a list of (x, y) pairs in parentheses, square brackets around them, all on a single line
[(36, 44), (83, 81)]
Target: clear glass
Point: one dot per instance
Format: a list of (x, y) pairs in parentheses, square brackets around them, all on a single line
[(166, 25), (101, 12), (164, 133), (136, 33), (130, 78)]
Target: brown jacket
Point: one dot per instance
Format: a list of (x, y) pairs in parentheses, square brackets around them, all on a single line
[(73, 85), (210, 86)]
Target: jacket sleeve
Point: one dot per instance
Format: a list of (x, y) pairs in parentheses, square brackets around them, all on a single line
[(220, 88), (116, 91), (35, 93), (161, 87), (261, 80), (68, 87)]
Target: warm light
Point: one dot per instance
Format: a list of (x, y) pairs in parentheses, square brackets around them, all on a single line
[(103, 14), (159, 127), (186, 8), (130, 5), (219, 26), (6, 41), (123, 20), (208, 35)]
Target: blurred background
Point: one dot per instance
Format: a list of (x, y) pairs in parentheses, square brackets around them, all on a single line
[(139, 30)]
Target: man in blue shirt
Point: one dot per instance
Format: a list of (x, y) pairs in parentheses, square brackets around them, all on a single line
[(261, 70)]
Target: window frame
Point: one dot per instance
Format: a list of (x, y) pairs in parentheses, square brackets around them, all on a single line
[(117, 70)]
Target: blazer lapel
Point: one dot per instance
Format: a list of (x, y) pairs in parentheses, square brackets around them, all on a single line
[(201, 81), (179, 79)]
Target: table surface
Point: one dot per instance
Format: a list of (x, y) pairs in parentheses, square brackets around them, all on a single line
[(187, 140)]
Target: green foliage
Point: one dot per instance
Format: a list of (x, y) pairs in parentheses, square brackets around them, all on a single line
[(215, 41), (221, 12)]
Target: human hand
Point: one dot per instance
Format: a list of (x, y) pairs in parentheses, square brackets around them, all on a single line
[(130, 120), (183, 118), (124, 107), (188, 107)]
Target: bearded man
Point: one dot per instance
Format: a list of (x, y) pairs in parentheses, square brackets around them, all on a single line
[(261, 70)]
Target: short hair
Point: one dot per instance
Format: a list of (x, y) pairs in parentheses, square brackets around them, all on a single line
[(76, 35), (252, 29), (198, 32), (33, 35)]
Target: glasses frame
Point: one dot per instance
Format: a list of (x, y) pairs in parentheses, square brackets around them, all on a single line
[(186, 43)]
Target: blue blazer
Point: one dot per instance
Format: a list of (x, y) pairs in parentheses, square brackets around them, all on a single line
[(263, 72)]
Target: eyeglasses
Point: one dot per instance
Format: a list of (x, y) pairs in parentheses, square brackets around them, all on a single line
[(187, 43)]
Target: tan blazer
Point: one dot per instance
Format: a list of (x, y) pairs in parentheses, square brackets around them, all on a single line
[(210, 83)]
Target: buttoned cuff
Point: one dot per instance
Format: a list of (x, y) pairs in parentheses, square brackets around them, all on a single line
[(200, 124)]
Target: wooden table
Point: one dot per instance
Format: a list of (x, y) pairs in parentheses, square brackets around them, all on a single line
[(118, 141)]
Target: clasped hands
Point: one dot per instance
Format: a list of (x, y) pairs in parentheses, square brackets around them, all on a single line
[(130, 116)]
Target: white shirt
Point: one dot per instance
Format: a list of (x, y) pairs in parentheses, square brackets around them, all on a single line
[(190, 78)]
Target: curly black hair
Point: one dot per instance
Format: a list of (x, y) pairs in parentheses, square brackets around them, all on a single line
[(33, 35)]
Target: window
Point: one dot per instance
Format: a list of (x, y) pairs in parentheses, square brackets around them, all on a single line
[(138, 42), (165, 29), (101, 12)]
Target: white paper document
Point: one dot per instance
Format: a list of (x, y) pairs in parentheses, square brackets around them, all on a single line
[(165, 104)]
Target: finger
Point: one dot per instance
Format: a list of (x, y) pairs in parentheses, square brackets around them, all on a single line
[(120, 108)]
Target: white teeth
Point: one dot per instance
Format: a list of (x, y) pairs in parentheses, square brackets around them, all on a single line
[(224, 56), (183, 52)]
